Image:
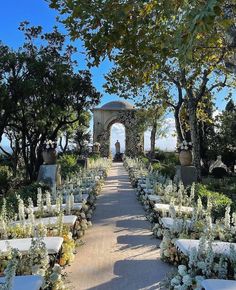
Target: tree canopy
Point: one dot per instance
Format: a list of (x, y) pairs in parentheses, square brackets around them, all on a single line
[(181, 43), (45, 93)]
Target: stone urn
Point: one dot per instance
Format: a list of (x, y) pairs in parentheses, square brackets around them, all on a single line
[(185, 157), (49, 156)]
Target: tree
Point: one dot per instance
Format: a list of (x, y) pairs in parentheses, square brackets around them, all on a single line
[(82, 134), (143, 38), (153, 118), (49, 95), (222, 141), (9, 70)]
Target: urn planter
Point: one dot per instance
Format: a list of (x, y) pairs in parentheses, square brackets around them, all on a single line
[(185, 157), (49, 156)]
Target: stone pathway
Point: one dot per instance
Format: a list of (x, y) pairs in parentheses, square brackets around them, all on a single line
[(119, 250)]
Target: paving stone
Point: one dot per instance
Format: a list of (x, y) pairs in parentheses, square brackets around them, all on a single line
[(120, 252)]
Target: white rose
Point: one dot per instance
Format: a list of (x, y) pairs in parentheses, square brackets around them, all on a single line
[(185, 142)]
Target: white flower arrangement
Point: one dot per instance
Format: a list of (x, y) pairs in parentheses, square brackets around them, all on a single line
[(48, 201), (21, 209), (49, 145), (184, 146), (38, 257)]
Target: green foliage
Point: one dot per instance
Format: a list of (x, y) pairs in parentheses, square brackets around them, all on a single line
[(5, 175), (25, 192), (42, 94), (222, 140), (226, 185), (166, 157), (219, 200), (4, 160), (165, 169), (146, 40), (144, 159), (68, 164), (94, 156)]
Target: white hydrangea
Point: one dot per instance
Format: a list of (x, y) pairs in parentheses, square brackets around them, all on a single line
[(187, 280), (175, 281), (182, 270)]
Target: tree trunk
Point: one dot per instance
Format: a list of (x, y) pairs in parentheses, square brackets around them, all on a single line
[(66, 142), (153, 139), (195, 136), (178, 127)]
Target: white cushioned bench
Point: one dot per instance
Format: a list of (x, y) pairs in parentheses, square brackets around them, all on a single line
[(218, 284), (53, 245), (185, 245), (162, 207), (27, 282), (68, 220), (168, 222)]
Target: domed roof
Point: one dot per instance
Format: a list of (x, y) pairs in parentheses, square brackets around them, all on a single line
[(117, 105)]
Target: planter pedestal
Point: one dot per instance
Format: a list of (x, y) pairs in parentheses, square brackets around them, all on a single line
[(50, 174), (186, 174), (49, 156)]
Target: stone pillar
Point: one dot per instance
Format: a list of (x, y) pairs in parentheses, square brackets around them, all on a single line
[(186, 174), (50, 174)]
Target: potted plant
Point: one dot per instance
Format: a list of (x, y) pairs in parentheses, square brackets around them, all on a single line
[(185, 154), (49, 152)]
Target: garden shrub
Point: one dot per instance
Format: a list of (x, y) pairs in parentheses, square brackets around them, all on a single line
[(165, 169), (5, 160), (69, 165), (25, 192), (5, 176), (145, 160), (219, 200), (224, 185), (167, 157), (94, 156)]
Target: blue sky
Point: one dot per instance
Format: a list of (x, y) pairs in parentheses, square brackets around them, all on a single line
[(37, 12)]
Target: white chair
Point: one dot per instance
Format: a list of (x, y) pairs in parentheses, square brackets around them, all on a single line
[(185, 246), (218, 284), (28, 282), (53, 245), (68, 220)]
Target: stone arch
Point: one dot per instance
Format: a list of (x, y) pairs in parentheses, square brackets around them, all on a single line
[(117, 112)]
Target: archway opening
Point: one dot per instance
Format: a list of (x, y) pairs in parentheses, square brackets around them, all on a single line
[(117, 133)]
